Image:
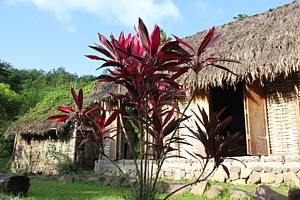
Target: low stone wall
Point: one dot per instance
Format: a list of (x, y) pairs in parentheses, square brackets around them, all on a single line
[(257, 169)]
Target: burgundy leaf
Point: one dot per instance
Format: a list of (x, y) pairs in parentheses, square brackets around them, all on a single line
[(111, 64), (111, 118), (226, 170), (93, 57), (105, 42), (80, 99), (55, 117), (155, 40), (204, 44), (223, 124), (65, 109), (103, 51), (143, 33), (62, 119), (184, 44)]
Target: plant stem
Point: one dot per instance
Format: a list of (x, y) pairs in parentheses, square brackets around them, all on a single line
[(160, 163)]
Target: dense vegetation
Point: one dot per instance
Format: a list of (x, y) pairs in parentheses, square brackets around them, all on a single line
[(24, 91)]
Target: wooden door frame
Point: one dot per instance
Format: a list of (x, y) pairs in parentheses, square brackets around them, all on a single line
[(251, 150)]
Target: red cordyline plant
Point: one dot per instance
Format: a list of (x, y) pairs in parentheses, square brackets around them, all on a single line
[(149, 69), (216, 147), (92, 121)]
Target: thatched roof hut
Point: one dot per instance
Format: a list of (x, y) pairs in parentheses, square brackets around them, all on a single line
[(266, 44)]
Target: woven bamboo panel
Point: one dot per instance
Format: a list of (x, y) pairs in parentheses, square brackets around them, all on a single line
[(282, 101)]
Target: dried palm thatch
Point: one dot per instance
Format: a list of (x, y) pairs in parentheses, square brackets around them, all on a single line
[(102, 91), (35, 128), (266, 44)]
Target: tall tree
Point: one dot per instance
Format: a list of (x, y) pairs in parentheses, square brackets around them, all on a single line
[(4, 72)]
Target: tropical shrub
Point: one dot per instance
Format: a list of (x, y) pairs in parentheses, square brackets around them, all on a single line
[(149, 69)]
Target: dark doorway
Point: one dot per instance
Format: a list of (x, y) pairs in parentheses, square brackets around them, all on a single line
[(232, 99)]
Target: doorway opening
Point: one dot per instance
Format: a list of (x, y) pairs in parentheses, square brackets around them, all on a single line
[(232, 99)]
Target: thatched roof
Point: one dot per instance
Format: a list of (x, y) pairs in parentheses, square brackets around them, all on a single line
[(32, 127), (102, 91), (266, 44)]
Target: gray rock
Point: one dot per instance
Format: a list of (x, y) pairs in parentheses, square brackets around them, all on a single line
[(268, 178), (239, 182), (266, 193), (239, 194), (279, 178), (101, 180), (68, 179), (107, 181), (294, 194), (169, 173), (257, 168), (214, 191), (246, 172), (162, 186), (200, 188), (175, 186), (295, 169), (234, 176), (220, 176), (290, 177), (116, 182), (277, 170), (267, 169), (236, 169), (254, 178)]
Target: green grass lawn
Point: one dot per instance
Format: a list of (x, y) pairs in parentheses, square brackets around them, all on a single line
[(45, 189), (49, 189)]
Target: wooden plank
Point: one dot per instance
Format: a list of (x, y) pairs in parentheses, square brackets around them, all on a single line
[(255, 115)]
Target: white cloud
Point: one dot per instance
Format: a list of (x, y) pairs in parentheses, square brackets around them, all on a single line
[(122, 11)]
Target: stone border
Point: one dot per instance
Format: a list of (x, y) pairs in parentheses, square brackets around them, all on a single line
[(257, 169)]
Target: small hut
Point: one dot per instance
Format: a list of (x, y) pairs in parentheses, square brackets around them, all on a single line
[(41, 147)]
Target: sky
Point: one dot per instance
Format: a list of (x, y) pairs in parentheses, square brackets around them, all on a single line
[(48, 34)]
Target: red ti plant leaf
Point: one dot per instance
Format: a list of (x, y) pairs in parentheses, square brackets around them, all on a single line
[(216, 146), (155, 40), (78, 98), (70, 112), (58, 118), (210, 39), (144, 35)]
